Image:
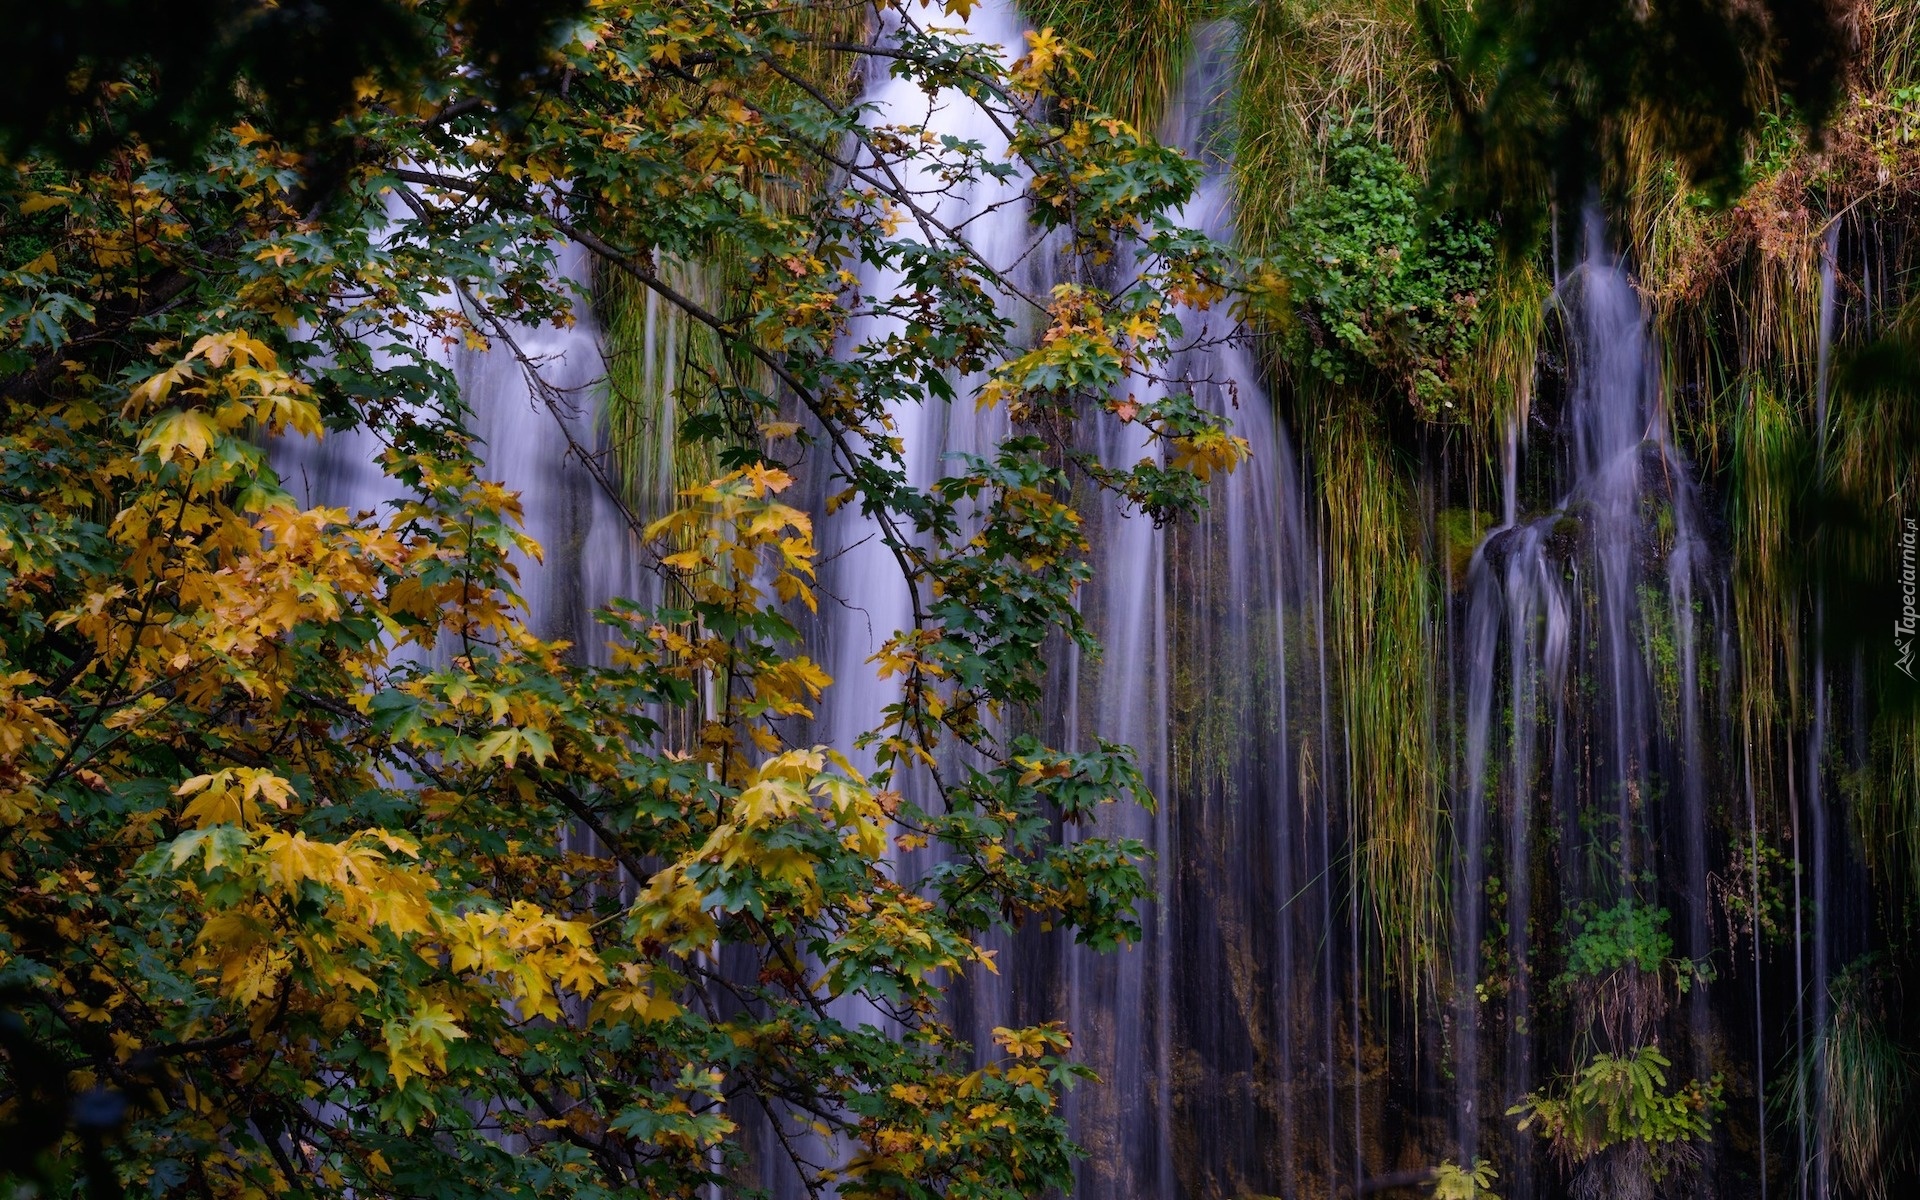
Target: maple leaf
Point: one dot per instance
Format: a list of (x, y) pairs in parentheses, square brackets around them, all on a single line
[(177, 432)]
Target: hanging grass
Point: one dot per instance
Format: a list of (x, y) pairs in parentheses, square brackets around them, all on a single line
[(1868, 1083), (1872, 479), (1307, 66), (660, 368), (663, 368), (1380, 604), (1769, 450), (1496, 380), (1886, 803), (1137, 49), (1889, 32)]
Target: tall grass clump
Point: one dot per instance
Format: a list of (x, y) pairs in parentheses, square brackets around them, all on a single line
[(1380, 603), (1408, 317), (1862, 1082), (662, 368), (1137, 49), (1309, 66), (1768, 455)]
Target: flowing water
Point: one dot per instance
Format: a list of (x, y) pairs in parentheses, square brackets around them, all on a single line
[(534, 395), (1246, 1047), (1601, 587), (1210, 668)]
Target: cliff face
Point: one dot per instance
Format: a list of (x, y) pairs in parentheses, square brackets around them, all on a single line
[(1535, 748)]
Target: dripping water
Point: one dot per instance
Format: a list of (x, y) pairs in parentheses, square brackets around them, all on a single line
[(1573, 591)]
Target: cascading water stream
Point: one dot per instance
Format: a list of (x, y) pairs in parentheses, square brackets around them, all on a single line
[(1115, 1003), (1234, 1045), (533, 393), (1237, 941), (1816, 1155), (1577, 590)]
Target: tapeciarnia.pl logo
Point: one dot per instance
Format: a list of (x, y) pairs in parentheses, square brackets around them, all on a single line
[(1909, 619)]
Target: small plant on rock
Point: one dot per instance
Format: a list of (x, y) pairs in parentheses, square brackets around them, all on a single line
[(1619, 1126), (1451, 1181)]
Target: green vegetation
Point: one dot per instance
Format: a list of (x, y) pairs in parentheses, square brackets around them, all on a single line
[(1603, 940), (280, 789), (1451, 1181), (1387, 289), (1380, 598), (1624, 1100), (663, 369)]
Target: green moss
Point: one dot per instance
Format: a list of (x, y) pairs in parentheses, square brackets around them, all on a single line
[(1563, 538), (1660, 642), (1460, 532)]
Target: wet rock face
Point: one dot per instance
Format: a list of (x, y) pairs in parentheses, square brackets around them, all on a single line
[(1577, 745)]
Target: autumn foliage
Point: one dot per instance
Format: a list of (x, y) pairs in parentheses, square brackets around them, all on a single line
[(319, 872)]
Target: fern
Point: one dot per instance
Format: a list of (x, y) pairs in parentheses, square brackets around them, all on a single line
[(1616, 1100), (1451, 1181)]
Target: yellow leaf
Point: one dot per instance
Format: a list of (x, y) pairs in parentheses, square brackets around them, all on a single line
[(155, 389), (220, 806), (191, 432), (292, 859), (504, 744)]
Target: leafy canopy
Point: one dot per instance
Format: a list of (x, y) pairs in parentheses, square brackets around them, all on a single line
[(294, 803)]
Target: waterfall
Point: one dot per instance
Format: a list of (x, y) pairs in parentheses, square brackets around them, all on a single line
[(1246, 1047), (534, 393), (1198, 623), (1575, 592), (1609, 411)]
